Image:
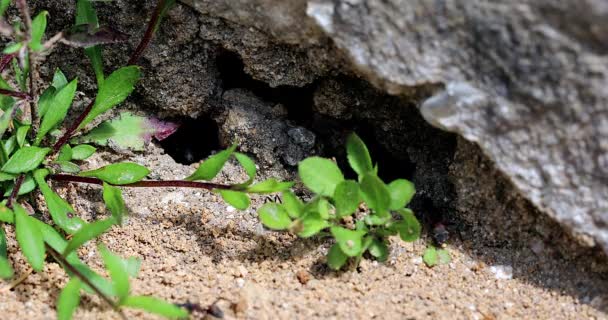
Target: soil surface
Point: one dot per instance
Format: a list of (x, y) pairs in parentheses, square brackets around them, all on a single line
[(194, 248)]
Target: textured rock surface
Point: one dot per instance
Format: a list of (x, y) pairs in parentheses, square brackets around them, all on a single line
[(534, 74)]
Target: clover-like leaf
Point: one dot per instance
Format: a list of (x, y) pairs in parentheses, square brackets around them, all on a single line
[(430, 257), (346, 198), (336, 258), (112, 196), (358, 155), (120, 277), (236, 199), (114, 90), (119, 173), (29, 238), (274, 216), (350, 241), (209, 168), (25, 159), (402, 192), (88, 232), (320, 175), (375, 193), (270, 186), (69, 299), (156, 306)]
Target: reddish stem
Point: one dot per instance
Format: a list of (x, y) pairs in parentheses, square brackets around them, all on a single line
[(16, 94), (144, 184), (6, 59), (15, 193), (70, 131), (145, 41)]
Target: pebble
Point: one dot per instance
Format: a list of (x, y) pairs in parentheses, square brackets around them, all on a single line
[(240, 282), (502, 272)]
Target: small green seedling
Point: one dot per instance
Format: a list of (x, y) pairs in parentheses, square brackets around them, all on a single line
[(433, 256)]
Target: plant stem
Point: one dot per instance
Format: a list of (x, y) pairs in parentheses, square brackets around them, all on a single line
[(144, 184), (16, 94), (145, 41), (61, 260), (15, 193), (70, 131), (6, 59)]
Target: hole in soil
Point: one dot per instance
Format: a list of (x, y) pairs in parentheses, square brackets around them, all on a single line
[(193, 141), (297, 100)]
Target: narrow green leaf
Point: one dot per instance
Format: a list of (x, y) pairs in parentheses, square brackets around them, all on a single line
[(86, 14), (59, 80), (6, 214), (247, 164), (402, 192), (320, 175), (88, 232), (375, 193), (156, 306), (336, 258), (29, 238), (409, 228), (236, 199), (209, 168), (61, 212), (119, 173), (6, 102), (379, 250), (5, 119), (119, 275), (112, 196), (58, 109), (3, 6), (292, 204), (274, 216), (430, 257), (38, 29), (25, 159), (27, 186), (65, 154), (350, 241), (3, 243), (269, 186), (45, 100), (7, 176), (358, 155), (21, 135), (83, 151), (346, 198), (6, 270), (69, 299), (67, 167), (114, 90)]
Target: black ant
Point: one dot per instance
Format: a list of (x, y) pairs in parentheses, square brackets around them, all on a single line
[(273, 198), (213, 309)]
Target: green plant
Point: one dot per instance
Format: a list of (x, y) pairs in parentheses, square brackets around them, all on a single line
[(435, 256)]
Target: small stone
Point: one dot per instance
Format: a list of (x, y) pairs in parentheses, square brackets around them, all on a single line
[(240, 282), (303, 276), (502, 272)]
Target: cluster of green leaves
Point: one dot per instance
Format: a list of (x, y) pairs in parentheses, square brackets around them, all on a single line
[(30, 154)]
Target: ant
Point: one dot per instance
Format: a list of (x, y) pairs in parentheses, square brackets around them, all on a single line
[(213, 309), (273, 198)]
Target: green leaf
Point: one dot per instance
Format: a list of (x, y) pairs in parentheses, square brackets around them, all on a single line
[(128, 131), (336, 258), (83, 151), (59, 80), (25, 159), (274, 216), (358, 155), (375, 193), (236, 199), (119, 275), (58, 109), (29, 237), (61, 212), (292, 204), (430, 257), (88, 232), (270, 186), (6, 214), (156, 306), (311, 225), (27, 186), (112, 196), (86, 14), (7, 176), (68, 167), (5, 119), (402, 192), (3, 243), (3, 6), (212, 166), (378, 249), (320, 175), (6, 102), (350, 241), (95, 55), (248, 165), (69, 299), (443, 256), (6, 270), (346, 198), (409, 228), (21, 135), (323, 208), (65, 154), (114, 90), (38, 29), (119, 173), (45, 100)]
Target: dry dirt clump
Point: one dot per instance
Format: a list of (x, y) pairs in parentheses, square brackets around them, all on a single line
[(194, 248)]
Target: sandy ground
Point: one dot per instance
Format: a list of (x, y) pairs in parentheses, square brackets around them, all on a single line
[(195, 248)]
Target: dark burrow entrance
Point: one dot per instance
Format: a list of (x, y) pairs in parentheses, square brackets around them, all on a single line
[(193, 141)]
